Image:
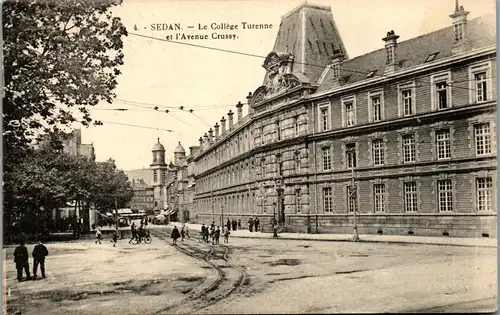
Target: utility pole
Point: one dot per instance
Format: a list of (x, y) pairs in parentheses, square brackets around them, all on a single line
[(353, 195), (221, 215), (116, 214)]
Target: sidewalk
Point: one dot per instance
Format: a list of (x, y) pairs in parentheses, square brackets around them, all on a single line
[(402, 239)]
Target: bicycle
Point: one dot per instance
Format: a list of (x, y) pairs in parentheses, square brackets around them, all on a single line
[(144, 238)]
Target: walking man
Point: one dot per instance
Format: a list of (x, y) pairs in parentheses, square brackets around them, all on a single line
[(183, 233), (39, 254), (217, 235), (239, 224), (134, 232), (203, 232), (175, 235), (115, 238), (98, 235), (21, 261)]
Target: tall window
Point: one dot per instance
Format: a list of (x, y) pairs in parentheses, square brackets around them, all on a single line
[(443, 145), (155, 175), (350, 154), (327, 199), (390, 55), (263, 168), (483, 138), (298, 200), (296, 125), (280, 168), (481, 88), (376, 108), (484, 194), (442, 95), (407, 102), (327, 160), (278, 130), (297, 162), (409, 153), (352, 198), (324, 121), (410, 196), (379, 197), (445, 195), (378, 152), (349, 113)]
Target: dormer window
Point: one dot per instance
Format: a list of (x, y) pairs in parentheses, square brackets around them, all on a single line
[(431, 57), (371, 74)]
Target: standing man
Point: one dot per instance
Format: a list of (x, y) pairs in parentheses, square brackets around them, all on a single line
[(226, 236), (203, 232), (228, 224), (39, 254), (21, 261), (250, 224), (98, 235), (234, 224), (256, 224), (275, 230), (239, 224), (217, 235)]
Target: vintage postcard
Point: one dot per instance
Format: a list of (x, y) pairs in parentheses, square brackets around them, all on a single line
[(249, 157)]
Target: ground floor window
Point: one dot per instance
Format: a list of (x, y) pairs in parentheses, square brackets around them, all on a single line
[(352, 198), (445, 195), (410, 197), (379, 197)]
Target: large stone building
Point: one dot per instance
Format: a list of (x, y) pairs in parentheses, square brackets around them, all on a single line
[(143, 198), (403, 136)]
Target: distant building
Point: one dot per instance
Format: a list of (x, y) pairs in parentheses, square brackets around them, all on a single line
[(141, 175), (143, 198), (73, 145)]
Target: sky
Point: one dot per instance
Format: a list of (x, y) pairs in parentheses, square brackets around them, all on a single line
[(167, 74)]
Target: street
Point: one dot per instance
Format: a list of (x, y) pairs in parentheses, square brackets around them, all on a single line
[(255, 276)]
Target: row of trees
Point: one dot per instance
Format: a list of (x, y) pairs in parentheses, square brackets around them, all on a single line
[(58, 55), (47, 179)]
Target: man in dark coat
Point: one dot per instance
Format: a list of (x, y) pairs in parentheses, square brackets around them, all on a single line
[(21, 261), (235, 224), (175, 235), (203, 232), (256, 224), (39, 254), (217, 235), (250, 225), (239, 224), (134, 232), (228, 224)]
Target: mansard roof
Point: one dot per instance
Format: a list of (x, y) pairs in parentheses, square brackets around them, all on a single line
[(413, 52)]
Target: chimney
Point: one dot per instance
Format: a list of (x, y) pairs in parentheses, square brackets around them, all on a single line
[(230, 120), (210, 135), (250, 109), (201, 142), (337, 58), (216, 127), (391, 43), (223, 125), (239, 110), (459, 29), (205, 140)]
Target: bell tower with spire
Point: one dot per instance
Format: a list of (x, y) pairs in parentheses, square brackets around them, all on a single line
[(159, 168)]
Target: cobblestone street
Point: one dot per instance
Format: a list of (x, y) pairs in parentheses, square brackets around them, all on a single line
[(281, 276)]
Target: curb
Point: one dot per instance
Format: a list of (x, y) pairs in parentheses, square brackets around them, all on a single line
[(368, 241)]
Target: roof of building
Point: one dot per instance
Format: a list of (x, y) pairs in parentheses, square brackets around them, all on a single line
[(415, 51), (179, 149), (158, 146), (311, 39)]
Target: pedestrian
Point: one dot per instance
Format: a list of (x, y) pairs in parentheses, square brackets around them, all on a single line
[(21, 261), (98, 235), (235, 224), (212, 226), (203, 232), (226, 236), (134, 232), (115, 238), (256, 223), (228, 224), (217, 235), (250, 224), (275, 230), (212, 235), (186, 231), (175, 235), (183, 233), (39, 253), (140, 233), (239, 224)]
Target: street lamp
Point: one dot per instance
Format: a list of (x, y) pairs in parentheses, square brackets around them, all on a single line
[(274, 213)]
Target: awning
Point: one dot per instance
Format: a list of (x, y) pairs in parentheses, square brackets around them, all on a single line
[(170, 212), (125, 211)]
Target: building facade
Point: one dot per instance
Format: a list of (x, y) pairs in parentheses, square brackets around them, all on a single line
[(143, 198), (401, 140)]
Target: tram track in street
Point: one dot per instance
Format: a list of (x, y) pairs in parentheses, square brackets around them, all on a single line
[(229, 276)]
